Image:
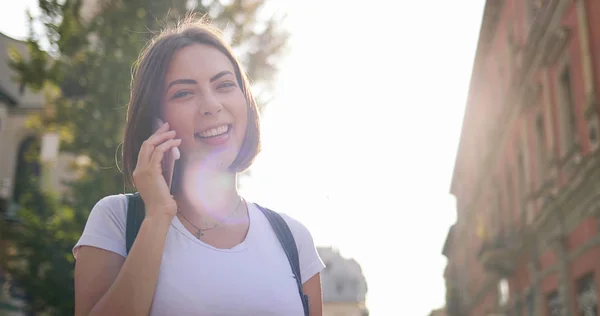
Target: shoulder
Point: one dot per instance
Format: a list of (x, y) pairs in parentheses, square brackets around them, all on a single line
[(299, 230), (105, 226), (112, 204), (310, 261), (110, 210)]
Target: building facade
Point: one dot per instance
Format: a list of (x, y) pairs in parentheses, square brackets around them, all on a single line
[(17, 103), (438, 312), (527, 172), (344, 286)]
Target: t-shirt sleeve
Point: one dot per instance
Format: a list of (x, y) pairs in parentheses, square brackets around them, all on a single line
[(310, 261), (105, 226)]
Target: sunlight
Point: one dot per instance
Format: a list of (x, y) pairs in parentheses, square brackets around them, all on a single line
[(360, 141)]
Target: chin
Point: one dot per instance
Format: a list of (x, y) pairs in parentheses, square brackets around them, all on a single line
[(215, 160)]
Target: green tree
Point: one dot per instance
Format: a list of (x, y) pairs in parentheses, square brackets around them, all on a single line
[(85, 74)]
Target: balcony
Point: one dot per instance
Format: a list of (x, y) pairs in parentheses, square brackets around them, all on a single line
[(498, 254), (497, 311), (454, 303), (455, 299), (539, 14)]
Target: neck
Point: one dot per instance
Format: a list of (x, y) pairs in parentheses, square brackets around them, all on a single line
[(205, 191)]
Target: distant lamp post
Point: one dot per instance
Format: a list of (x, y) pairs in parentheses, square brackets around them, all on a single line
[(5, 188), (48, 158), (503, 292), (5, 193), (50, 145)]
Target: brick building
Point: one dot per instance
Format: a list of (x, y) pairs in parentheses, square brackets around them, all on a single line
[(438, 312), (527, 172)]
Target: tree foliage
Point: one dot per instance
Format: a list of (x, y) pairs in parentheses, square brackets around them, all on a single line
[(85, 72)]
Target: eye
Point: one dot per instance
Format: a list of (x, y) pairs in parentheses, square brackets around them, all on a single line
[(180, 94), (227, 85)]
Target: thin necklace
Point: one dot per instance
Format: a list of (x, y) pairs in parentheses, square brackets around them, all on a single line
[(200, 231)]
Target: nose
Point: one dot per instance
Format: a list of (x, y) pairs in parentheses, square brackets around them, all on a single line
[(209, 105)]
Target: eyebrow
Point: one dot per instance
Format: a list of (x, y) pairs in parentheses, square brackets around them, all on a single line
[(192, 81), (219, 75), (181, 81)]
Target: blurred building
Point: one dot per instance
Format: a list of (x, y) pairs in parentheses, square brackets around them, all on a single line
[(17, 143), (344, 286), (16, 104), (527, 172), (438, 312)]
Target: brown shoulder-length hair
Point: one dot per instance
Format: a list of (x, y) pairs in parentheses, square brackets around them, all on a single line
[(147, 87)]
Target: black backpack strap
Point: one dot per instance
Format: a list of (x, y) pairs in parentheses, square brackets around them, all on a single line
[(286, 238), (135, 215)]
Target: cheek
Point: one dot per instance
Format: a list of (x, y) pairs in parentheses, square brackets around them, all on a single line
[(182, 127), (178, 116), (242, 121), (239, 111)]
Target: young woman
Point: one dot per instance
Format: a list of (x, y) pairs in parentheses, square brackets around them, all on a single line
[(202, 250)]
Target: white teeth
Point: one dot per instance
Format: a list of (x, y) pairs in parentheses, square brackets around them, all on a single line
[(214, 131)]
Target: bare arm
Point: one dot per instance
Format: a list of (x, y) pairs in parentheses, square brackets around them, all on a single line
[(108, 284), (105, 282), (312, 288)]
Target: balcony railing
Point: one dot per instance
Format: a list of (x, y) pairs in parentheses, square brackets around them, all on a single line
[(498, 254), (539, 12), (454, 303)]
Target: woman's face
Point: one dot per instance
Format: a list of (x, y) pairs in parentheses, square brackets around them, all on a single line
[(205, 106)]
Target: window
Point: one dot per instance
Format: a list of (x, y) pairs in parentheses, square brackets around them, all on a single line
[(464, 274), (499, 216), (593, 133), (533, 8), (554, 304), (567, 119), (521, 188), (339, 287), (529, 304), (540, 146), (518, 308), (509, 195), (503, 291), (501, 75), (587, 299), (512, 46), (531, 11)]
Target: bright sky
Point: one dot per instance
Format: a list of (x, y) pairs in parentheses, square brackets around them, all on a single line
[(360, 142)]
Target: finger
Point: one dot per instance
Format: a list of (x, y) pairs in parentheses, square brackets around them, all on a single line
[(148, 145), (158, 138), (160, 150), (162, 127)]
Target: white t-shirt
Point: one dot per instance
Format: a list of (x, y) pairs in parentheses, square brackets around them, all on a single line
[(252, 278)]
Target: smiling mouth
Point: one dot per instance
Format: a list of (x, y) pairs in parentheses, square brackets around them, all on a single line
[(214, 132)]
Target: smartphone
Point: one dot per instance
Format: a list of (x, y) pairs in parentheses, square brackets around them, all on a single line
[(169, 160)]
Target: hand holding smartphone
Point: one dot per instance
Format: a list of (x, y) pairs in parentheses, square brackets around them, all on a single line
[(168, 162)]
